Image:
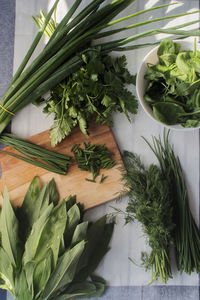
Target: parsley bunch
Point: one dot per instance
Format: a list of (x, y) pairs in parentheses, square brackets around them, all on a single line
[(96, 90), (150, 203)]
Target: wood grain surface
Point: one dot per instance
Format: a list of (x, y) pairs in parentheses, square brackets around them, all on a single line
[(17, 174)]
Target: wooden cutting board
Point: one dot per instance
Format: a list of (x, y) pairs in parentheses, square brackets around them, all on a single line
[(17, 174)]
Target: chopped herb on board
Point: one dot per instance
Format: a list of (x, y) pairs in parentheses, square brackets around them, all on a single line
[(92, 158)]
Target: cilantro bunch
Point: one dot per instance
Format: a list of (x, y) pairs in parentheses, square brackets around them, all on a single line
[(96, 90), (173, 91)]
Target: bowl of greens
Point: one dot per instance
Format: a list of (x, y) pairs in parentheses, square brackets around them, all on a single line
[(168, 84)]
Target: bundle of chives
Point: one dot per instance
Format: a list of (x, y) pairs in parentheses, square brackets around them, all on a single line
[(186, 232), (52, 161), (59, 57)]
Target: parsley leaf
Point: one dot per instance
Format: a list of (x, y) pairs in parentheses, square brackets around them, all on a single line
[(96, 90)]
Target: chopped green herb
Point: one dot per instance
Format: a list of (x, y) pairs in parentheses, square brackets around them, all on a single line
[(90, 180), (92, 158), (103, 177)]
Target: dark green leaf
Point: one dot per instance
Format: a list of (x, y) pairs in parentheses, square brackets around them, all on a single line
[(65, 270), (80, 233), (42, 273), (73, 220), (29, 204), (79, 290), (167, 113), (99, 235), (52, 233)]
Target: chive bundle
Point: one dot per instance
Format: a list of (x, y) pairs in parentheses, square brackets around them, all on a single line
[(92, 158), (186, 233), (60, 57), (36, 155)]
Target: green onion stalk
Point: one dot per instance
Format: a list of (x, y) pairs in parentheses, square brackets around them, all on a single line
[(72, 36)]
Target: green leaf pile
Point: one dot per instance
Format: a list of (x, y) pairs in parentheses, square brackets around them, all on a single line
[(47, 251), (173, 91), (96, 90)]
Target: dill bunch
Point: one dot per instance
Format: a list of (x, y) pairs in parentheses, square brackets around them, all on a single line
[(150, 204)]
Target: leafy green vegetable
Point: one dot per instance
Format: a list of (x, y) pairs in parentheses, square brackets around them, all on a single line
[(173, 88), (150, 203), (167, 112), (58, 255), (186, 233), (92, 158), (97, 90)]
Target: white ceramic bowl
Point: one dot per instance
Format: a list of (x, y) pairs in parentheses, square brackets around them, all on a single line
[(141, 83)]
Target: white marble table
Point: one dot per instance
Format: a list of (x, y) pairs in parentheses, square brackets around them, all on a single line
[(126, 281)]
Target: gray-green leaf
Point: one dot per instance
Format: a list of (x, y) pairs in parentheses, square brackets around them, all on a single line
[(9, 228), (65, 270)]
